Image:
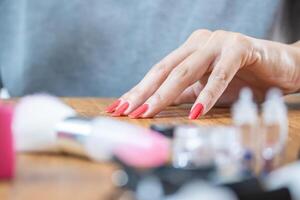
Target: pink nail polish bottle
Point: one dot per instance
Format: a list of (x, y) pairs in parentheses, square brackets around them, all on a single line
[(7, 155)]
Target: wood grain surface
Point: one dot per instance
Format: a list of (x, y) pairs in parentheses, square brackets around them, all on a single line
[(42, 176)]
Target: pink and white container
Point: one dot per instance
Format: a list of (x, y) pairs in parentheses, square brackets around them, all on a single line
[(7, 153)]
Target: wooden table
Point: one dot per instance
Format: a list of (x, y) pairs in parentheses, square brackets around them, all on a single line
[(64, 177)]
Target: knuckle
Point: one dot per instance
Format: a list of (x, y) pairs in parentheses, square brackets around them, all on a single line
[(197, 38), (200, 33), (136, 93), (240, 40), (128, 93), (161, 68), (218, 33), (156, 99), (133, 94), (137, 90), (238, 37), (240, 45), (209, 94), (221, 77), (181, 73)]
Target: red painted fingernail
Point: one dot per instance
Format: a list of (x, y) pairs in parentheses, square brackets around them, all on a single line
[(121, 110), (111, 108), (139, 111), (197, 111)]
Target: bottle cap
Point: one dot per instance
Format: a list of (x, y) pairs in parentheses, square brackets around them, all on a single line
[(192, 147), (165, 129), (244, 111), (274, 109)]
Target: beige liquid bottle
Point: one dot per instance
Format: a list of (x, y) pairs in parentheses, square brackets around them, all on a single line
[(245, 118), (275, 131)]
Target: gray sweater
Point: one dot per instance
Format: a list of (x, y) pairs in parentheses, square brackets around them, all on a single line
[(104, 47)]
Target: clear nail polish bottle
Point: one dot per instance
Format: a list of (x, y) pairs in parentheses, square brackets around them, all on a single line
[(191, 148), (275, 130), (245, 118), (227, 149)]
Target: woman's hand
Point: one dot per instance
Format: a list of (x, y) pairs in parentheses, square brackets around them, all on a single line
[(209, 68)]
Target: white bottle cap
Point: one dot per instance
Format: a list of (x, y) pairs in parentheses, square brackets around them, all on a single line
[(274, 109), (244, 111)]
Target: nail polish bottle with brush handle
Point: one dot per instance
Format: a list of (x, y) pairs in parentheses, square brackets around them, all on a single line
[(43, 123)]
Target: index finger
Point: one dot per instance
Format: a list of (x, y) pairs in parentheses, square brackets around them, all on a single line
[(222, 74), (187, 73)]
